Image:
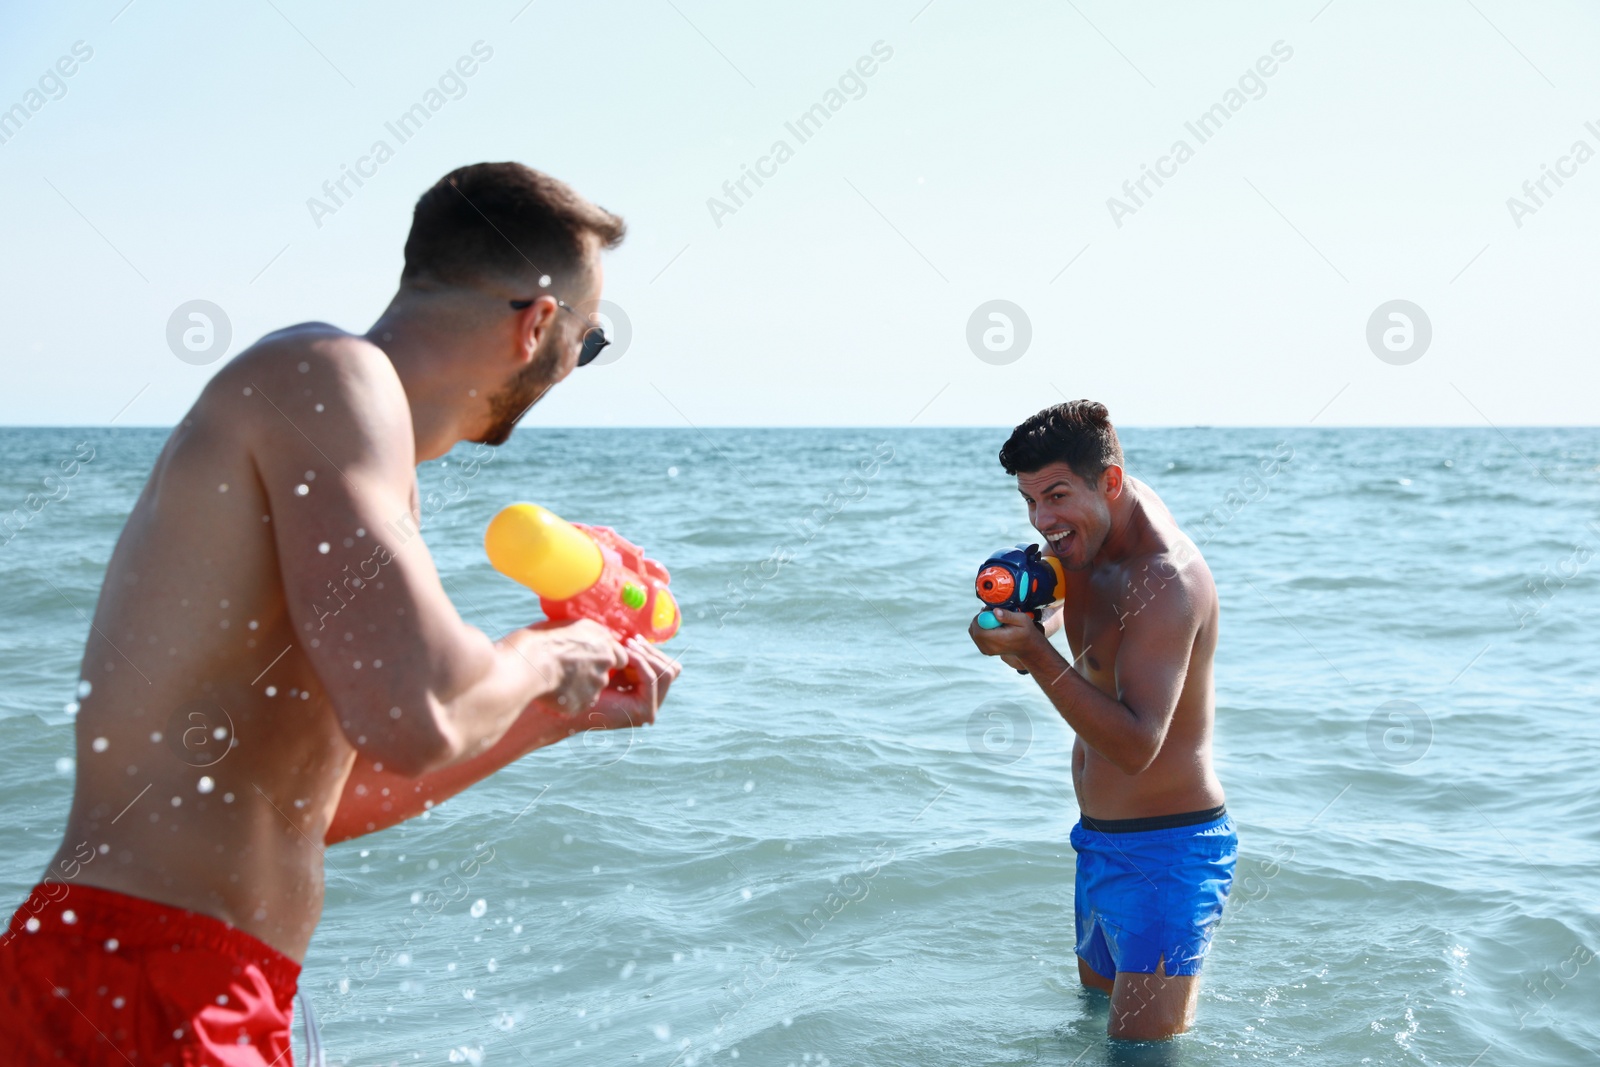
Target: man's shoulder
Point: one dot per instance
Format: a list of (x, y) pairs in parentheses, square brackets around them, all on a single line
[(1170, 550), (1180, 556), (311, 378), (1170, 583), (317, 357)]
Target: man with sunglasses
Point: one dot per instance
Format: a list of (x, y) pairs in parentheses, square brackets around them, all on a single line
[(274, 665), (594, 337)]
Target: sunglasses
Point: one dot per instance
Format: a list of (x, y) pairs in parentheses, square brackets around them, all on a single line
[(594, 338)]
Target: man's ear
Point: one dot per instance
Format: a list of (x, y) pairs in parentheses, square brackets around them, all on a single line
[(1111, 482), (532, 323)]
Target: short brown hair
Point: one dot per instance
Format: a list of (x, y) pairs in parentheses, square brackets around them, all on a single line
[(1078, 433), (500, 220)]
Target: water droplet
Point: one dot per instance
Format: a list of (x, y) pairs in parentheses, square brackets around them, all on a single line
[(206, 784), (64, 765), (672, 472), (749, 785), (302, 489), (272, 690), (84, 688), (100, 744), (71, 707), (319, 407), (479, 908), (304, 367), (544, 281), (223, 488), (323, 547)]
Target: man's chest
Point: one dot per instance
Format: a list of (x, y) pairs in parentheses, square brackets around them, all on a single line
[(1091, 622)]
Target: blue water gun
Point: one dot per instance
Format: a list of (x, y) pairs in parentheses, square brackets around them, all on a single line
[(1019, 579)]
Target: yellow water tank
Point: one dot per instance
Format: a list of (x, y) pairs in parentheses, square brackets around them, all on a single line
[(543, 551)]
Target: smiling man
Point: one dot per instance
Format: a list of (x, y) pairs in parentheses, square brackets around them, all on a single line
[(274, 665), (1156, 848)]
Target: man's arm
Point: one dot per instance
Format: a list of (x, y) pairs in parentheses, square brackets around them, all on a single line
[(375, 798), (414, 687), (1152, 662), (1052, 618)]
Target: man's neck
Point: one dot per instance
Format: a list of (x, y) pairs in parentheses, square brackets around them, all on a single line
[(1127, 528), (442, 412)]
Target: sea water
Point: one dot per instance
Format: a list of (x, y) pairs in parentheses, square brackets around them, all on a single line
[(845, 840)]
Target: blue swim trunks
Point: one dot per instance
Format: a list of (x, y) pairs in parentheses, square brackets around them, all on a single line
[(1146, 895)]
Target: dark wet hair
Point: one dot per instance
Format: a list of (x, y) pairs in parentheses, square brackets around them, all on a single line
[(1078, 433), (504, 220)]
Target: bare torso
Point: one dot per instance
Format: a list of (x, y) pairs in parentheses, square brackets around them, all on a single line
[(1099, 601), (209, 759)]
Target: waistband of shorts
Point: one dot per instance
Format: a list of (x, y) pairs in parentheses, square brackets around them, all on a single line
[(116, 921), (1153, 822)]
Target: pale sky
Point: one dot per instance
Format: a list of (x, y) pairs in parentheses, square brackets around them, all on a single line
[(974, 163)]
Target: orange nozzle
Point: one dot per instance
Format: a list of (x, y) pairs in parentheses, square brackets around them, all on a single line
[(995, 585)]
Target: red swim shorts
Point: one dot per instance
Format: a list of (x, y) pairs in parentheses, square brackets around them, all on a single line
[(92, 977)]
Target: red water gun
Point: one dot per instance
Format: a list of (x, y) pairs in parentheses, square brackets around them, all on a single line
[(583, 572)]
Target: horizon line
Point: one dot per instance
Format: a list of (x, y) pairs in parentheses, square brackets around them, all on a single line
[(931, 426)]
